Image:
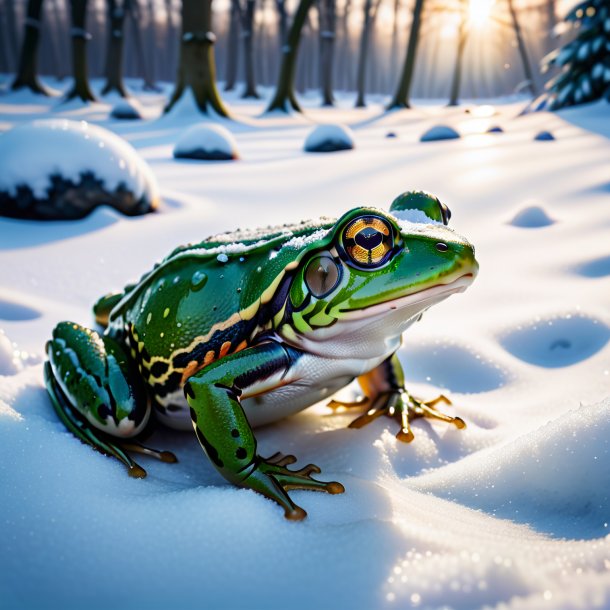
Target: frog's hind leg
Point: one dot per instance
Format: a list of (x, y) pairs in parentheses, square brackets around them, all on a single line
[(103, 307), (95, 390)]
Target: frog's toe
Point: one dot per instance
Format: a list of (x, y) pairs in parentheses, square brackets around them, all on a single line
[(342, 405), (279, 459), (163, 456), (296, 514)]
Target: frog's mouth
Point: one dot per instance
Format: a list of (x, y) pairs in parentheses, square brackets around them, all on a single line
[(411, 304)]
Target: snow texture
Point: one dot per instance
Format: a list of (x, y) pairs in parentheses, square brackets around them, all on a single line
[(206, 142), (512, 513), (439, 132), (329, 138)]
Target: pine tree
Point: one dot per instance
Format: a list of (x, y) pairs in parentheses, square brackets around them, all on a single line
[(585, 60)]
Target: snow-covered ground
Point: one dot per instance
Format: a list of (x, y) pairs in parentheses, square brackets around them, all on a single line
[(511, 513)]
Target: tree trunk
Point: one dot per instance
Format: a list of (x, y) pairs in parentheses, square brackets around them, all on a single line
[(233, 45), (457, 69), (527, 67), (362, 55), (551, 11), (282, 23), (401, 97), (247, 32), (284, 98), (11, 29), (114, 51), (27, 74), (197, 68), (394, 43), (327, 20), (133, 9), (80, 37)]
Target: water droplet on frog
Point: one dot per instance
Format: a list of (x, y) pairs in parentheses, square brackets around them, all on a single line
[(198, 280)]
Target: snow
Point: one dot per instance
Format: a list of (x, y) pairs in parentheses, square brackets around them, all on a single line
[(511, 513), (544, 136), (33, 152), (127, 109), (206, 142), (440, 132), (532, 217), (329, 138)]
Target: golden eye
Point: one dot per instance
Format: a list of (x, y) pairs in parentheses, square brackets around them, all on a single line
[(367, 240)]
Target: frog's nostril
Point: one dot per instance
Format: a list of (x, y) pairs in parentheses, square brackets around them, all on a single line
[(441, 247)]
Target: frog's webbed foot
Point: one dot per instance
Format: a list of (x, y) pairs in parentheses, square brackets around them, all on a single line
[(83, 431), (404, 408), (343, 405), (273, 479)]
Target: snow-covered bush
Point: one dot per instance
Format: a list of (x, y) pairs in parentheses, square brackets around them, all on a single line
[(329, 138), (206, 142), (59, 169), (531, 217), (544, 136), (583, 61), (439, 132), (127, 109)]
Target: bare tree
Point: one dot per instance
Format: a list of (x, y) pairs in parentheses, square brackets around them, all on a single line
[(462, 37), (394, 43), (80, 37), (197, 68), (282, 25), (133, 10), (284, 99), (370, 12), (27, 73), (114, 50), (247, 32), (527, 67), (233, 45), (327, 19), (401, 97)]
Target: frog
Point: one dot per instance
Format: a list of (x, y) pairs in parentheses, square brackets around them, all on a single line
[(248, 327)]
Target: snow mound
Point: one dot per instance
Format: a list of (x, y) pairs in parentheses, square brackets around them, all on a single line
[(127, 109), (329, 138), (206, 142), (532, 217), (557, 474), (16, 312), (495, 129), (544, 136), (62, 169), (391, 134), (439, 132), (9, 362), (558, 341)]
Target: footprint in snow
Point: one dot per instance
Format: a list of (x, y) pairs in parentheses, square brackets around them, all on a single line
[(559, 341), (598, 267)]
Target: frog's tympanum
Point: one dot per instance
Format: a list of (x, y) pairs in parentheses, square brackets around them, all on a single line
[(246, 328)]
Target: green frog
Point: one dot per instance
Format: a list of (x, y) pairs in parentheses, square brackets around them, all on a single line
[(245, 328)]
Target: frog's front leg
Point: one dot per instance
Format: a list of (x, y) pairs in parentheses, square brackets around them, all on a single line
[(97, 393), (214, 395), (385, 394)]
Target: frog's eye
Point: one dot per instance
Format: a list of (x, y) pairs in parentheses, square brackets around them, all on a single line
[(368, 240), (322, 275)]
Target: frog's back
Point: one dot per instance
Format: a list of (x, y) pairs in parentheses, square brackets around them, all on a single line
[(203, 302)]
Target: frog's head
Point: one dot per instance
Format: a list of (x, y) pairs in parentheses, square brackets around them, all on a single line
[(379, 268)]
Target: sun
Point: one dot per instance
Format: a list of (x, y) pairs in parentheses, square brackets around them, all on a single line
[(479, 12)]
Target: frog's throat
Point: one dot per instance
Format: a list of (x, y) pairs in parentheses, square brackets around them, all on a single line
[(416, 302)]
